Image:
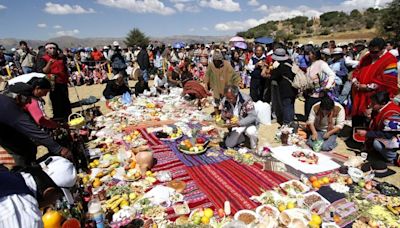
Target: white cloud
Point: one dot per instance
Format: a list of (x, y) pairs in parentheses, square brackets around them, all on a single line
[(55, 8), (349, 5), (42, 25), (224, 5), (204, 28), (181, 7), (3, 7), (253, 3), (139, 6), (57, 27), (191, 30), (67, 32), (263, 8), (238, 25), (274, 13)]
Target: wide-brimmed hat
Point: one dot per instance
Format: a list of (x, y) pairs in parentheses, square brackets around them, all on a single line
[(379, 167), (337, 51), (326, 51), (280, 55), (360, 43)]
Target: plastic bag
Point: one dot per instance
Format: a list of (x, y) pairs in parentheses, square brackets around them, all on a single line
[(126, 98), (263, 111), (317, 145)]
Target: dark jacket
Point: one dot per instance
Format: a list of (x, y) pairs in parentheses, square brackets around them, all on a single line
[(19, 134), (113, 90), (143, 59), (140, 87), (285, 88)]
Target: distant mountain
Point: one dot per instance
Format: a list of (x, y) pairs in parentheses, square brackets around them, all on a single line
[(69, 41)]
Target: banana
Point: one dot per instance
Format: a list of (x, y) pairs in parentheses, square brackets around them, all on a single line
[(112, 199), (116, 203)]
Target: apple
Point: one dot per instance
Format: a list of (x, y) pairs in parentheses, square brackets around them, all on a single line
[(361, 183)]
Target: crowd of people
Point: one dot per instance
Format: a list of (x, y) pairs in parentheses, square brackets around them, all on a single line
[(353, 83)]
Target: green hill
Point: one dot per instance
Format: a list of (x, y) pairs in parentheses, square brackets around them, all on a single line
[(328, 23)]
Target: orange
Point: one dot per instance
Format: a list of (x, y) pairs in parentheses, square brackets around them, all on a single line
[(316, 184), (52, 219), (71, 223), (132, 165), (312, 179), (326, 180), (321, 182)]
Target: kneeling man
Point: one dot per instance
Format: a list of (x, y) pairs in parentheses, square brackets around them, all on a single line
[(238, 110)]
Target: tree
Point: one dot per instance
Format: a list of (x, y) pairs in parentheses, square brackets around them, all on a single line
[(391, 20), (136, 37), (355, 14)]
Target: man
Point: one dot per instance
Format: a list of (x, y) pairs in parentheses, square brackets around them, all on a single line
[(382, 135), (25, 57), (238, 109), (19, 135), (22, 194), (219, 74), (116, 86), (144, 62), (117, 59), (376, 72), (325, 121), (257, 82)]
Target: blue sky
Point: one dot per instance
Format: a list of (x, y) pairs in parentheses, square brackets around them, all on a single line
[(43, 19)]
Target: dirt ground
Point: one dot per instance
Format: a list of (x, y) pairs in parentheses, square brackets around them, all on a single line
[(266, 133)]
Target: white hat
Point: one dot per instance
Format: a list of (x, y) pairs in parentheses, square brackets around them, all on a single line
[(337, 51), (105, 47), (232, 48), (62, 172), (326, 51), (115, 43), (207, 46), (13, 49)]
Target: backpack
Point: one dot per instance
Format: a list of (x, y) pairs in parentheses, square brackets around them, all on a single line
[(300, 80)]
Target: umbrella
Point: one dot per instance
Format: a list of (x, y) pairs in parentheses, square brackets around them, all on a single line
[(236, 39), (241, 45), (264, 40), (179, 45)]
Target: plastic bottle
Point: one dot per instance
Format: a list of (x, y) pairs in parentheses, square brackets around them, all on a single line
[(96, 212)]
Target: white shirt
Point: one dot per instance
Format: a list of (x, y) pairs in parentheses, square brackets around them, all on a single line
[(160, 82), (322, 125), (21, 211)]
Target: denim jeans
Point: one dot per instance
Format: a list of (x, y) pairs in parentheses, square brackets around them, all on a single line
[(328, 145), (287, 110), (389, 154), (27, 70), (145, 75)]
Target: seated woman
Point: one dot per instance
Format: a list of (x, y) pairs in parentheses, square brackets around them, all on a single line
[(384, 129), (41, 86), (161, 83), (192, 90), (141, 86), (325, 121), (116, 87)]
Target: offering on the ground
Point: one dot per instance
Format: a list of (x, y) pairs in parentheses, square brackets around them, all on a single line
[(294, 187), (306, 156)]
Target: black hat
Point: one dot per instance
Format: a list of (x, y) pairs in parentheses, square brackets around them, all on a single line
[(379, 167)]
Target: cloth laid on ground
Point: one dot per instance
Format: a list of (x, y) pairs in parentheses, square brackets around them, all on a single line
[(284, 154), (213, 180)]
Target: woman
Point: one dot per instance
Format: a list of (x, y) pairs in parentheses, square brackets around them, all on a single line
[(322, 76), (283, 76), (35, 108)]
